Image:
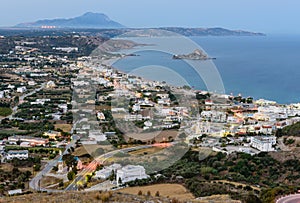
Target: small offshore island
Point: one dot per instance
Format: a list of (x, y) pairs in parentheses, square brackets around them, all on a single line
[(195, 55)]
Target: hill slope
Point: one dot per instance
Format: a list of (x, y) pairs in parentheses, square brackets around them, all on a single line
[(87, 20)]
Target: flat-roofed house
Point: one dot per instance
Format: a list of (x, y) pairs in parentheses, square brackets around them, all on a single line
[(19, 154), (263, 143), (131, 172)]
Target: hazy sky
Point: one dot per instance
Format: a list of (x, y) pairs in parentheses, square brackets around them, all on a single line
[(270, 16)]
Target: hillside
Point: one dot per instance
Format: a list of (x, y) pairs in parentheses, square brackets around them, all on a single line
[(91, 20), (292, 130), (75, 197), (87, 20)]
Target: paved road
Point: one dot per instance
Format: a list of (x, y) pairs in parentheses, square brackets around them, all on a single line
[(99, 160), (289, 199), (21, 99), (35, 182)]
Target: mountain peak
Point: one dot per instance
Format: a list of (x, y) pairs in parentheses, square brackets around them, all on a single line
[(87, 20)]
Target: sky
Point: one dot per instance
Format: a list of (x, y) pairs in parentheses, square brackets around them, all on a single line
[(268, 16)]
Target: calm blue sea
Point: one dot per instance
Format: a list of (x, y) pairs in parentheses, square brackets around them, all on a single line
[(263, 67)]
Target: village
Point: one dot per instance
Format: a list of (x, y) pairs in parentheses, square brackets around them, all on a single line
[(54, 106)]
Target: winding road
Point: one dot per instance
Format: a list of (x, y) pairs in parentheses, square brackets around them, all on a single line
[(35, 182), (21, 99), (93, 165), (289, 199)]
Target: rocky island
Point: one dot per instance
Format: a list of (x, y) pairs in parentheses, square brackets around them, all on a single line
[(195, 55)]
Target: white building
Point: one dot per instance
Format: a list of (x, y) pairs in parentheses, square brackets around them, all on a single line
[(63, 107), (107, 171), (40, 101), (19, 154), (264, 102), (21, 89), (263, 143), (97, 135), (50, 84), (100, 116), (11, 86), (66, 49), (31, 83), (215, 116), (14, 192), (131, 172), (136, 107), (133, 117)]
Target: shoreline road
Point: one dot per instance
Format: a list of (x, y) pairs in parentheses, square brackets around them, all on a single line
[(289, 199)]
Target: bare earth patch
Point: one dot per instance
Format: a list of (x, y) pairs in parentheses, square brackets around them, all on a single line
[(217, 199), (63, 127), (49, 181), (165, 190), (142, 152)]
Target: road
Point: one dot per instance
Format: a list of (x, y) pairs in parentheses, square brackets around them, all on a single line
[(289, 199), (35, 182), (99, 160), (21, 99)]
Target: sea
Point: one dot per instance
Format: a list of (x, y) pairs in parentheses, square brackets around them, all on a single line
[(265, 67)]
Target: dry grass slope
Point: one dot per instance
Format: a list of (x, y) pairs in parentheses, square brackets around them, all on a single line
[(165, 190)]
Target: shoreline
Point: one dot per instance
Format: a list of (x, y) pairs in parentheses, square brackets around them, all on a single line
[(111, 61)]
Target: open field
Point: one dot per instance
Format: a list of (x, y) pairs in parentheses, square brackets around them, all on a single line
[(89, 149), (147, 151), (12, 131), (4, 111), (81, 197), (49, 180), (217, 199), (63, 127), (9, 167), (80, 151), (158, 136), (165, 190)]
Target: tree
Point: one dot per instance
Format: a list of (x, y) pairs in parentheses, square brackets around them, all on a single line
[(112, 176), (70, 160), (61, 183), (120, 181), (157, 194), (148, 193), (251, 198), (71, 175), (88, 178), (36, 167)]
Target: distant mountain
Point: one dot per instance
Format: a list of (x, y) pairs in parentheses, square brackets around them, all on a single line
[(87, 20), (101, 21)]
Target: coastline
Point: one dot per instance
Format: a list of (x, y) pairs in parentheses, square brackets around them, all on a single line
[(235, 62)]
